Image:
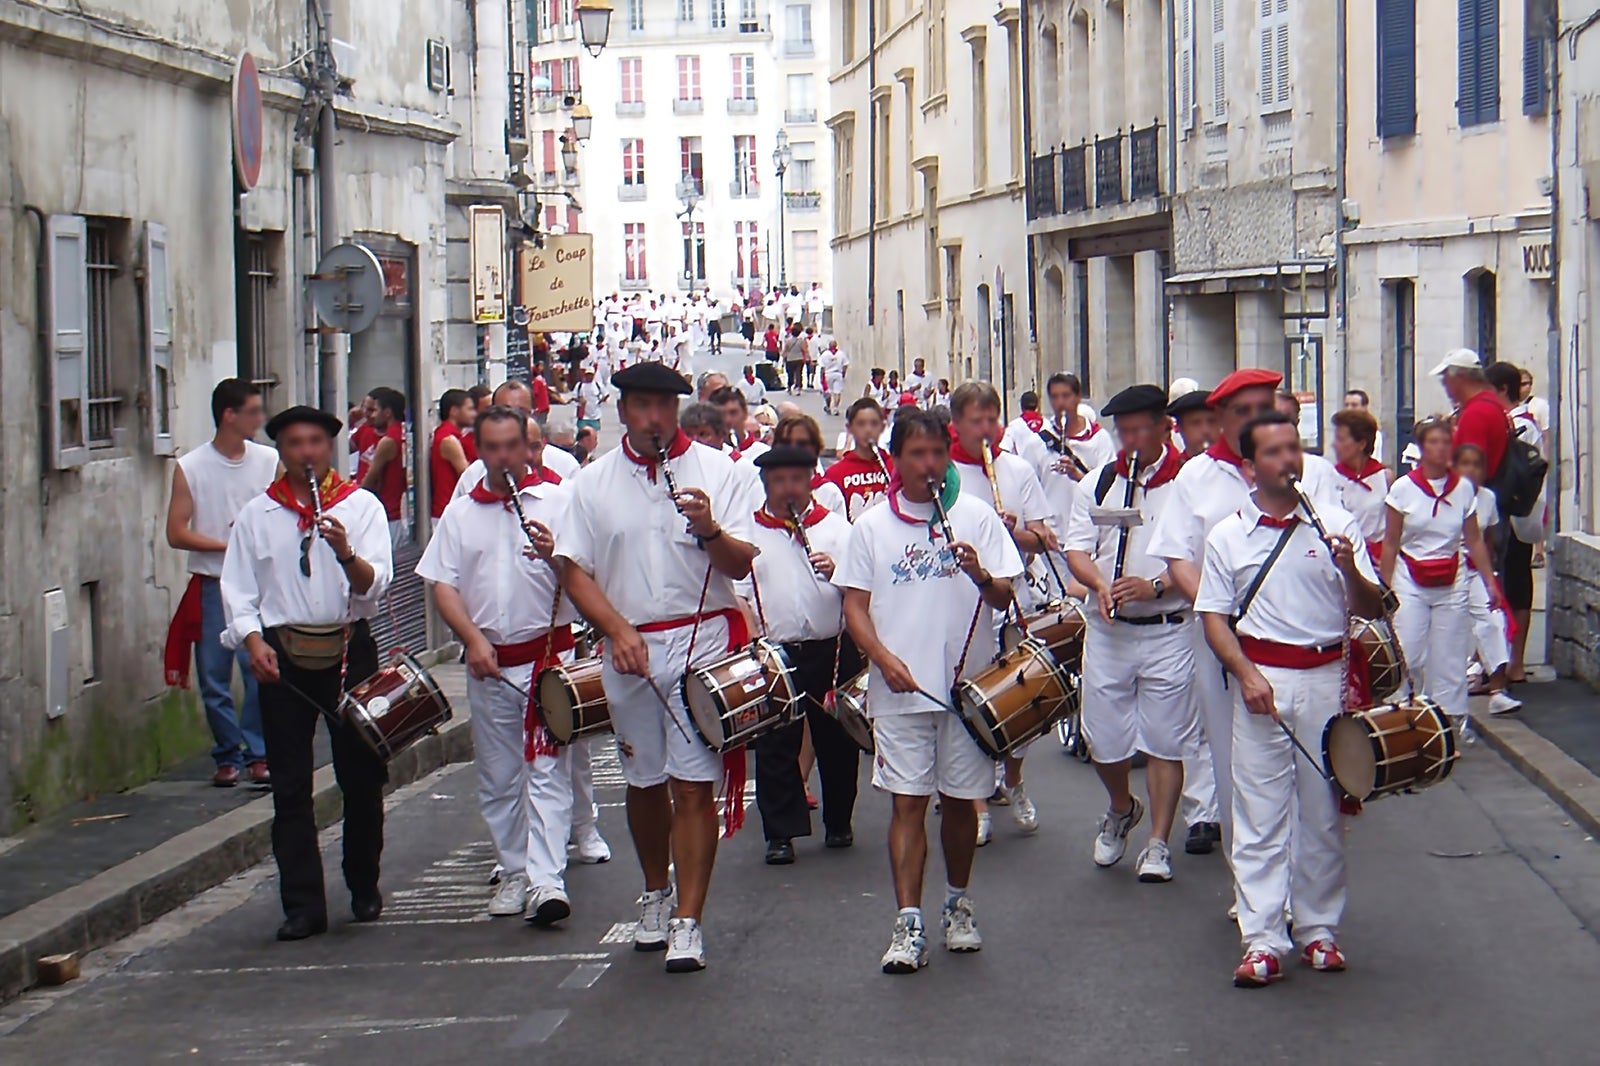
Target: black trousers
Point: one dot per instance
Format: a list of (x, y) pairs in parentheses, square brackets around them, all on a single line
[(714, 334), (288, 724), (780, 791), (797, 372)]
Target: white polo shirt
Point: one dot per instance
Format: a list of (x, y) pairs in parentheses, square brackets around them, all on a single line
[(477, 549), (1100, 542), (1363, 495), (1302, 600), (922, 604), (796, 603), (1432, 532)]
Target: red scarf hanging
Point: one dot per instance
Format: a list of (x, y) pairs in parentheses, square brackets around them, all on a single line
[(1166, 470), (1034, 420), (1419, 479), (676, 447), (1094, 427), (952, 490), (961, 455), (481, 493), (333, 489), (1223, 452), (1370, 467), (182, 635), (1277, 523)]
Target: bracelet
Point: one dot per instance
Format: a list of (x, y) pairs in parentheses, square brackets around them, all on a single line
[(703, 541), (988, 580), (347, 560)]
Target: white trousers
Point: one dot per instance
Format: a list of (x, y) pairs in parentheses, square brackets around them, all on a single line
[(585, 812), (1137, 683), (1433, 629), (527, 806), (1208, 780), (655, 742), (1488, 627), (1199, 803), (1287, 833)]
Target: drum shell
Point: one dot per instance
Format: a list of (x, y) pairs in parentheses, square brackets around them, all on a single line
[(1375, 641), (850, 710), (395, 707), (773, 704), (1017, 699), (1060, 627), (572, 700), (1410, 747)]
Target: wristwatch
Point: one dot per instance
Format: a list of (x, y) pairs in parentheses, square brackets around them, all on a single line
[(1158, 586)]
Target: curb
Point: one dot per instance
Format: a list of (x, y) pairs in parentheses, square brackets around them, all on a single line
[(116, 903), (1559, 776)]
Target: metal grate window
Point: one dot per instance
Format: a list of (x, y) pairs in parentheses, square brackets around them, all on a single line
[(1108, 170), (1043, 186), (255, 356), (102, 399), (1074, 178), (1145, 148)]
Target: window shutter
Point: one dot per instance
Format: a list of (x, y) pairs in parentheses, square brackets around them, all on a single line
[(1467, 62), (1397, 68), (1219, 61), (1268, 81), (1488, 60), (1186, 64), (158, 337), (1533, 88), (67, 336), (1281, 74)]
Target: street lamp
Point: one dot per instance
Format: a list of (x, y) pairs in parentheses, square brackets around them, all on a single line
[(582, 122), (782, 156), (594, 24), (689, 197), (569, 155)]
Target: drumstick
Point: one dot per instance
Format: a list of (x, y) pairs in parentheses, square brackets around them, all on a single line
[(1301, 748)]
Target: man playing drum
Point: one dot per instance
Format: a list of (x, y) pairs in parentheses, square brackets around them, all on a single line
[(306, 565), (1138, 656), (657, 532), (798, 543), (1276, 602), (923, 577), (503, 602)]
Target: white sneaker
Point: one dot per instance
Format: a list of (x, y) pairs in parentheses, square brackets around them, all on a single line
[(1023, 812), (686, 947), (591, 846), (1503, 702), (960, 927), (1155, 863), (985, 828), (550, 904), (1112, 842), (511, 897), (650, 934), (908, 947)]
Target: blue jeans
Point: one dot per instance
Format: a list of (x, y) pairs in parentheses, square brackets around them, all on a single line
[(238, 734)]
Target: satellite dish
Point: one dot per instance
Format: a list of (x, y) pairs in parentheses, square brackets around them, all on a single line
[(347, 289)]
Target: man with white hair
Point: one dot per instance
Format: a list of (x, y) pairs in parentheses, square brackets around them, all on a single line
[(709, 382)]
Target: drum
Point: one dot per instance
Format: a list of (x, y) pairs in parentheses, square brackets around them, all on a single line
[(1059, 627), (1395, 747), (739, 697), (1375, 641), (572, 700), (395, 707), (585, 641), (1022, 696), (850, 709)]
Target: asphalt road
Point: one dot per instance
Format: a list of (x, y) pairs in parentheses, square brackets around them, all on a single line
[(1469, 936)]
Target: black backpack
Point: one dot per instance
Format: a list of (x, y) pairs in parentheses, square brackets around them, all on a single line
[(1520, 479)]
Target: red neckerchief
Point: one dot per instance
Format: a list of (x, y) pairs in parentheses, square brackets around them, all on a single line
[(749, 377), (1094, 427), (680, 443), (1277, 523), (332, 490), (537, 475), (750, 439), (1372, 466), (1420, 479), (1223, 452), (1033, 420), (1166, 470), (896, 487), (816, 514), (961, 455)]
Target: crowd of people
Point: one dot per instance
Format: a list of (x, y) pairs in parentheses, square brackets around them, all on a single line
[(1215, 562)]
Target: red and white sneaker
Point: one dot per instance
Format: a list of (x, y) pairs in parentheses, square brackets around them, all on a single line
[(1257, 969), (1323, 956)]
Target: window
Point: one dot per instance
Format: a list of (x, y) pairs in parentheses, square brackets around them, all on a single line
[(694, 251), (744, 76), (847, 31), (802, 176), (1477, 62), (1402, 328), (934, 46), (633, 161), (635, 15), (806, 245), (1482, 333), (258, 275), (1186, 63), (633, 252), (844, 169), (801, 104), (749, 16), (569, 75), (1274, 37), (1014, 98), (746, 166), (632, 70), (691, 162), (685, 10), (880, 116), (980, 115), (1397, 68), (930, 237), (719, 14), (797, 30), (746, 251), (1534, 92), (688, 77), (1219, 61)]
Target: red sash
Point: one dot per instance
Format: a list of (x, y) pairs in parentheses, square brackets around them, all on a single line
[(1433, 573), (482, 493), (1371, 467), (543, 650), (678, 445), (1167, 470), (1033, 420), (182, 635), (961, 455), (1287, 656)]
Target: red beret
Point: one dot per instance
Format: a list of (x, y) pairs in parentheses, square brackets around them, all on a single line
[(908, 399), (1252, 378)]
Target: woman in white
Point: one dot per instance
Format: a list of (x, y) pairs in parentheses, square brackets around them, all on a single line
[(1363, 480), (1432, 518), (1485, 602)]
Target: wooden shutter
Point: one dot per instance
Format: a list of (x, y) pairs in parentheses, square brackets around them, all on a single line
[(1219, 61), (158, 337), (1488, 60), (67, 338), (1273, 36), (1186, 64), (1477, 61), (1397, 68), (1533, 84)]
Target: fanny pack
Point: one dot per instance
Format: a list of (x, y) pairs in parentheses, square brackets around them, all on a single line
[(314, 647), (1433, 573)]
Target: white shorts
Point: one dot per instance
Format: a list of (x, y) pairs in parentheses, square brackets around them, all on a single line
[(924, 752), (1138, 691), (651, 745)]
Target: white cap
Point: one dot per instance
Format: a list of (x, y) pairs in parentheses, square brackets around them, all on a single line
[(1458, 359), (1182, 387)]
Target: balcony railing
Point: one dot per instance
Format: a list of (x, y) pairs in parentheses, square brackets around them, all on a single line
[(799, 49), (799, 116), (517, 106), (1126, 168), (630, 192), (688, 107), (802, 201), (741, 105), (629, 109), (627, 284), (745, 190)]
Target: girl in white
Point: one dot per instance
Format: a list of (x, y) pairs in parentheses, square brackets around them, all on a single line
[(1363, 481), (1432, 518), (1483, 593)]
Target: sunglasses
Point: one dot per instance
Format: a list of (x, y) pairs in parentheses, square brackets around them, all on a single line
[(305, 555)]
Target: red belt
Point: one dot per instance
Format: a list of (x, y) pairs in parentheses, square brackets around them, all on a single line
[(538, 649), (1433, 573), (1375, 550), (738, 632), (1287, 656)]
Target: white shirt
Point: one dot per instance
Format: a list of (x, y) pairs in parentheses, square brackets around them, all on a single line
[(833, 365), (921, 602), (562, 463), (1302, 599), (1020, 491), (478, 549), (815, 301), (1092, 447), (1363, 497), (623, 528), (588, 395), (919, 385), (1319, 477), (1100, 542), (753, 391), (262, 586), (1488, 509), (1210, 489), (829, 495), (797, 604), (220, 487), (1431, 532), (748, 456)]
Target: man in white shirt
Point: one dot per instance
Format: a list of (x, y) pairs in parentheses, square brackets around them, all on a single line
[(305, 568), (752, 388), (1078, 442), (922, 579), (918, 383), (798, 544), (590, 397), (832, 365), (816, 303), (516, 394), (1138, 654), (1279, 630), (656, 535), (210, 485)]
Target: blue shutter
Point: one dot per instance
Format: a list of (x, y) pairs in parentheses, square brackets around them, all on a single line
[(1466, 62), (1397, 68), (1533, 88), (1488, 60)]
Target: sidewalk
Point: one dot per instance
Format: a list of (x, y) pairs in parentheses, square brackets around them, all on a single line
[(99, 870), (1555, 742)]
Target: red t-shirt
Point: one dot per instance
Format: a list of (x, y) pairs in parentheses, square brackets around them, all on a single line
[(392, 489), (441, 474), (1482, 422), (861, 480), (541, 395)]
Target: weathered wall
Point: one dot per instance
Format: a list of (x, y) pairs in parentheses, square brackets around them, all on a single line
[(1574, 620)]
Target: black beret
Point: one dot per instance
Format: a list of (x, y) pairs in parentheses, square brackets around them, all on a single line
[(1134, 399), (786, 455), (1198, 400), (651, 376), (301, 413)]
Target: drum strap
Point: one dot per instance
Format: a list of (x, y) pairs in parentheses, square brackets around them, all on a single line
[(1261, 575), (733, 765), (966, 648)]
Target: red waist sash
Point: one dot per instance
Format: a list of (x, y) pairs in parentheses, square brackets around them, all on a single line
[(1287, 656)]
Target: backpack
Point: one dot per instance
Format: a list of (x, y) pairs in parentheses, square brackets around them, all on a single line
[(1520, 479)]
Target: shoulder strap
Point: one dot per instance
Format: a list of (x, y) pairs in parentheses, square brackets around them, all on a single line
[(1261, 575), (1108, 474)]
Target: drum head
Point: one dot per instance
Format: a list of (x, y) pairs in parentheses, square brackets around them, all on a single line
[(1347, 748), (705, 709), (555, 705)]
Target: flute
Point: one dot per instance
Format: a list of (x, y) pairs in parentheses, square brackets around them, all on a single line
[(800, 531), (1391, 601), (1063, 448), (666, 472), (516, 505), (988, 469), (1122, 534), (943, 515)]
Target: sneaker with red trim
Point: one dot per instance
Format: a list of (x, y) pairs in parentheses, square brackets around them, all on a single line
[(1257, 969), (1323, 956)]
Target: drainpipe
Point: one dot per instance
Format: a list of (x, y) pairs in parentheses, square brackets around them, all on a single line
[(872, 164), (1340, 254), (1174, 124), (1024, 25), (331, 373)]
